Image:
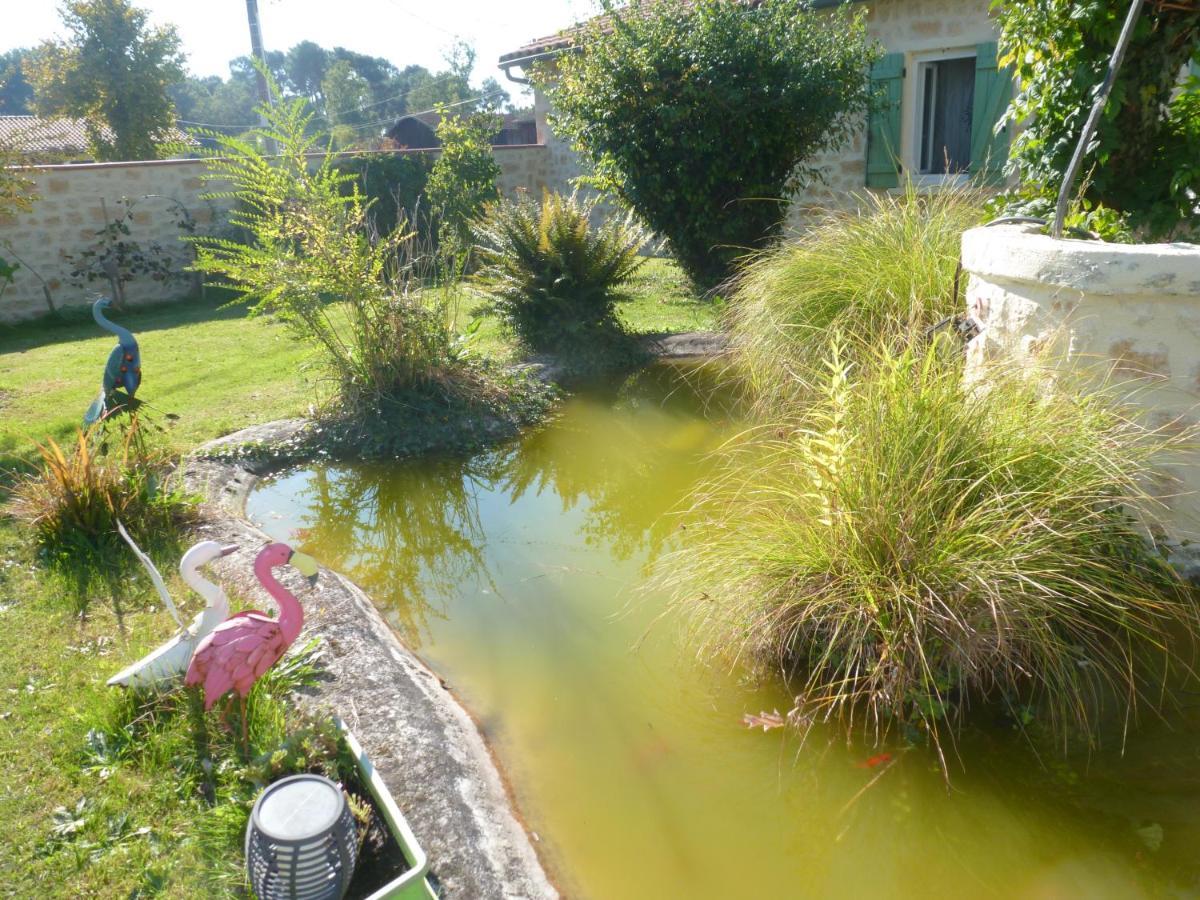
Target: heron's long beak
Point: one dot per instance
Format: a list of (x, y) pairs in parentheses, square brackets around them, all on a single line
[(305, 565), (225, 551)]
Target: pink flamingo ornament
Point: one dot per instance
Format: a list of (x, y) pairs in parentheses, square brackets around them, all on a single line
[(237, 652)]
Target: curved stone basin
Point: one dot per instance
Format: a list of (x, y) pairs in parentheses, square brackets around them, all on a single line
[(516, 574)]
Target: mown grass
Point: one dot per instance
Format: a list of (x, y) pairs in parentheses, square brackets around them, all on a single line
[(219, 371), (108, 794)]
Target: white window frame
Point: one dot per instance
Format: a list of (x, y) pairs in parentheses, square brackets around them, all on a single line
[(921, 66)]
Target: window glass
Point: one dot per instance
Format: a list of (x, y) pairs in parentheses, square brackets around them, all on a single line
[(947, 90)]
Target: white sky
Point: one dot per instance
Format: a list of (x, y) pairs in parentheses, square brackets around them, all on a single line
[(402, 31)]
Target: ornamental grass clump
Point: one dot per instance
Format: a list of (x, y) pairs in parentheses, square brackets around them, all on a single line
[(880, 273), (909, 546), (75, 499), (553, 278)]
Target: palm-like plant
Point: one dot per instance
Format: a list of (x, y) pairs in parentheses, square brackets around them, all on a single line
[(553, 278)]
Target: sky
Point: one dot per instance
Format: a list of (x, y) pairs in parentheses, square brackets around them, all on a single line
[(402, 31)]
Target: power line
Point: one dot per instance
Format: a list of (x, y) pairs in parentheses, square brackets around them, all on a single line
[(475, 99)]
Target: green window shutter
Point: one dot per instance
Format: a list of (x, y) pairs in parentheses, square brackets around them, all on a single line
[(993, 93), (883, 125)]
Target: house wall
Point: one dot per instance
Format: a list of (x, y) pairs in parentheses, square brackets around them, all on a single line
[(1110, 311), (76, 201), (915, 28)]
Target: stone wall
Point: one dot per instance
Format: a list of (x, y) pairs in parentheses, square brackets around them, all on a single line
[(77, 201), (915, 28), (1129, 310)]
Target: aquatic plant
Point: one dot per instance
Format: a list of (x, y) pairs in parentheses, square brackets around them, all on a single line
[(905, 546), (880, 272)]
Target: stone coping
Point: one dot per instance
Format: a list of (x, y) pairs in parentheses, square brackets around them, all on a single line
[(1019, 253), (425, 745)]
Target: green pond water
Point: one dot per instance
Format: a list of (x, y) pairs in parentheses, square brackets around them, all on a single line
[(517, 573)]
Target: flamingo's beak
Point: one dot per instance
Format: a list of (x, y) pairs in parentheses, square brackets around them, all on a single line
[(305, 565), (225, 551)]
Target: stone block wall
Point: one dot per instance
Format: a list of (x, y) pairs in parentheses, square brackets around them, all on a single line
[(77, 201), (915, 28), (74, 203), (1131, 312)]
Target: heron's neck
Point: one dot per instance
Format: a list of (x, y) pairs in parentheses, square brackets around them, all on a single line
[(214, 597), (124, 335), (291, 614)]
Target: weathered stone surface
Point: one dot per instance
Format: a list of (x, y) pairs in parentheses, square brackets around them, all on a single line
[(1131, 311)]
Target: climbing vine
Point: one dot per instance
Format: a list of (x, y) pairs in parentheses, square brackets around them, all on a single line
[(1143, 166)]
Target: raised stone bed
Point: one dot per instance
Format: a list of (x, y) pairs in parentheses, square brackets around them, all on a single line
[(1132, 310)]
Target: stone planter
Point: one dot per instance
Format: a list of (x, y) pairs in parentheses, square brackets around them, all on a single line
[(1132, 310), (412, 885)]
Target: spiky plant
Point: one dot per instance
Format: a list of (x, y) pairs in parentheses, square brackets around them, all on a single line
[(553, 278), (881, 272), (74, 501), (907, 546)]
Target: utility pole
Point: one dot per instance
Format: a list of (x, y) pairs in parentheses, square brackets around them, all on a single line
[(256, 50)]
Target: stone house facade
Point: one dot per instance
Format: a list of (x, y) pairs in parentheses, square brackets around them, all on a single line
[(944, 90)]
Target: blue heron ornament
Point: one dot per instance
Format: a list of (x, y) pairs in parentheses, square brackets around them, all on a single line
[(123, 369)]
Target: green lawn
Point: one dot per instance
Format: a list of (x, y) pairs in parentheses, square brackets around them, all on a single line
[(133, 827), (220, 371)]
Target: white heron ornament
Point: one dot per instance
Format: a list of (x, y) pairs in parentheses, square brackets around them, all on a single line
[(171, 659)]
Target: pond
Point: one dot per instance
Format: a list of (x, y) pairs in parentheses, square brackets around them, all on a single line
[(518, 574)]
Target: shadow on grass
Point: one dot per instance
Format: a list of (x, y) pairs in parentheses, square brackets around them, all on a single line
[(75, 323)]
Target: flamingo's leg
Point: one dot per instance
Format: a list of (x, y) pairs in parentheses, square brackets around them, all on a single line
[(245, 727)]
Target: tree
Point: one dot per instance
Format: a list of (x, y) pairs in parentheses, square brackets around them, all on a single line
[(112, 71), (701, 116), (15, 93), (345, 92), (1146, 152), (464, 177)]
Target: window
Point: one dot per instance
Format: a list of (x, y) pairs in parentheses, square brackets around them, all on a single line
[(951, 104), (945, 105)]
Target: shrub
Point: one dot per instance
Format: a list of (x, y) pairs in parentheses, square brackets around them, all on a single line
[(464, 177), (392, 184), (879, 274), (553, 278), (1146, 150), (74, 501), (702, 116), (909, 546), (310, 249)]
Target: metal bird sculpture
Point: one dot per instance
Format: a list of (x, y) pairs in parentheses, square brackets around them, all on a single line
[(239, 650), (171, 659), (124, 367)]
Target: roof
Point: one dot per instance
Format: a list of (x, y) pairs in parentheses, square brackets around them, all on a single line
[(37, 136), (565, 39)]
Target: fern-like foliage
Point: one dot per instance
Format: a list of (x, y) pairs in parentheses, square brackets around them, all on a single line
[(553, 278), (312, 259)]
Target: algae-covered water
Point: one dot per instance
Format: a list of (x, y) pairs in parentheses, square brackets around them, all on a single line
[(518, 574)]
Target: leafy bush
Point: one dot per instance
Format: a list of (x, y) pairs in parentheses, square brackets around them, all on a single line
[(464, 177), (393, 185), (551, 276), (311, 248), (702, 116), (1146, 151), (882, 273), (74, 501), (907, 546)]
